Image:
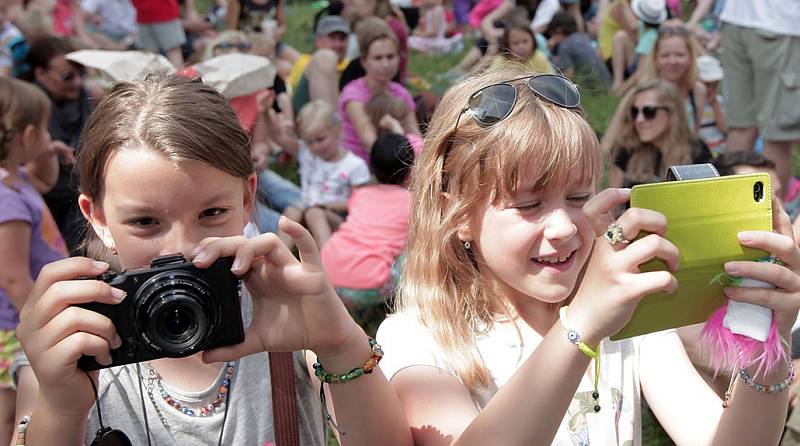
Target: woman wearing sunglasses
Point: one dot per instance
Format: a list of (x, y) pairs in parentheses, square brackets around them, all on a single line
[(649, 133), (674, 59), (496, 331)]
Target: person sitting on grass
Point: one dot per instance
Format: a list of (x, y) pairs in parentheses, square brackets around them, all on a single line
[(328, 171), (360, 258)]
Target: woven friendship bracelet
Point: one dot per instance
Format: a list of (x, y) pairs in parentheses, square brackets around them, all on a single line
[(367, 368)]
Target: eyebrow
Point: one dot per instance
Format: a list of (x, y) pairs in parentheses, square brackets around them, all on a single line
[(145, 208)]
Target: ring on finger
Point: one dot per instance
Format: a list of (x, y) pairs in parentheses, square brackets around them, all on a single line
[(776, 260), (613, 234)]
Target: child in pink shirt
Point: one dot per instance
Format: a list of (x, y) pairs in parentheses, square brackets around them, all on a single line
[(359, 257)]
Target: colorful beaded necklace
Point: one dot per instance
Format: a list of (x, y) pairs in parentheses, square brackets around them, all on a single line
[(154, 383)]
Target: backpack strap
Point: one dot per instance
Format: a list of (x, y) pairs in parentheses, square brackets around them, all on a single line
[(284, 402)]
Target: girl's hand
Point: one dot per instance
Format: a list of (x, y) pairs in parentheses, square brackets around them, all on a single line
[(784, 299), (294, 305), (54, 333), (612, 285)]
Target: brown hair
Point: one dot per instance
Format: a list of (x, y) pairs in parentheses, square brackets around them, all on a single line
[(178, 118), (503, 45), (456, 172), (372, 29), (675, 148), (21, 104), (385, 104)]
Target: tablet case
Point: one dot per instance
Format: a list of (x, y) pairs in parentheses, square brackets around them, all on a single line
[(704, 217)]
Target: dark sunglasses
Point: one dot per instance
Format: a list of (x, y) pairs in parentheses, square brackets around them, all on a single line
[(241, 46), (493, 103), (648, 111), (70, 76), (673, 30)]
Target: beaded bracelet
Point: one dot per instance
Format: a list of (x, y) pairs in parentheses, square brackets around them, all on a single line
[(368, 367), (775, 388), (575, 338), (22, 430)]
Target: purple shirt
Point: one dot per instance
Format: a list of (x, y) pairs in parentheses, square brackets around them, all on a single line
[(357, 91), (24, 203)]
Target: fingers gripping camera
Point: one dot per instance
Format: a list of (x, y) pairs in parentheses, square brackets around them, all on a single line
[(173, 309)]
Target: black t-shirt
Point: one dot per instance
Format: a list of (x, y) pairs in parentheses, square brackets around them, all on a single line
[(700, 154)]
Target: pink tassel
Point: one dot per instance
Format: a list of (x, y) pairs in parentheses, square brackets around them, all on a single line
[(729, 350)]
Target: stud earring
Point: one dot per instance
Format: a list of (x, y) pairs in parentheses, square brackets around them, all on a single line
[(468, 245)]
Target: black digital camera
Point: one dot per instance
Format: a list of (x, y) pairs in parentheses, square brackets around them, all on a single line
[(172, 309)]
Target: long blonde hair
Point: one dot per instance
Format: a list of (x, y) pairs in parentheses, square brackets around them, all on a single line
[(456, 172), (674, 148), (650, 71)]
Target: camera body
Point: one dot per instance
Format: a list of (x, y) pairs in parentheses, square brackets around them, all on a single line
[(173, 309)]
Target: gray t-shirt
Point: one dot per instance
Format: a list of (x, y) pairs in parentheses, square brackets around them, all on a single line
[(576, 52), (249, 414)]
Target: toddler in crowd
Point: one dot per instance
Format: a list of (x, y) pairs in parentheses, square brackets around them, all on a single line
[(359, 257), (328, 172), (29, 237)]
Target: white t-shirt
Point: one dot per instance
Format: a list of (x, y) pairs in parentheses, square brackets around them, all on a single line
[(776, 16), (117, 17), (406, 343), (323, 182)]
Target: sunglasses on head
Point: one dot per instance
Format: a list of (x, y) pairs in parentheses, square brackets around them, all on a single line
[(493, 103), (648, 111)]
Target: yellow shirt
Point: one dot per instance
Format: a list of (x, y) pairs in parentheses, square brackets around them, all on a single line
[(605, 34), (299, 68), (538, 63)]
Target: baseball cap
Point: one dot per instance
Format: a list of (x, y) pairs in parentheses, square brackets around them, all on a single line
[(332, 24)]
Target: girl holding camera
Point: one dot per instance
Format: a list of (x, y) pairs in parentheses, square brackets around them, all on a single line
[(511, 288), (165, 168)]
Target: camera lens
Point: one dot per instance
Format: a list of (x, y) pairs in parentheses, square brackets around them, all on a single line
[(177, 321), (176, 313)]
